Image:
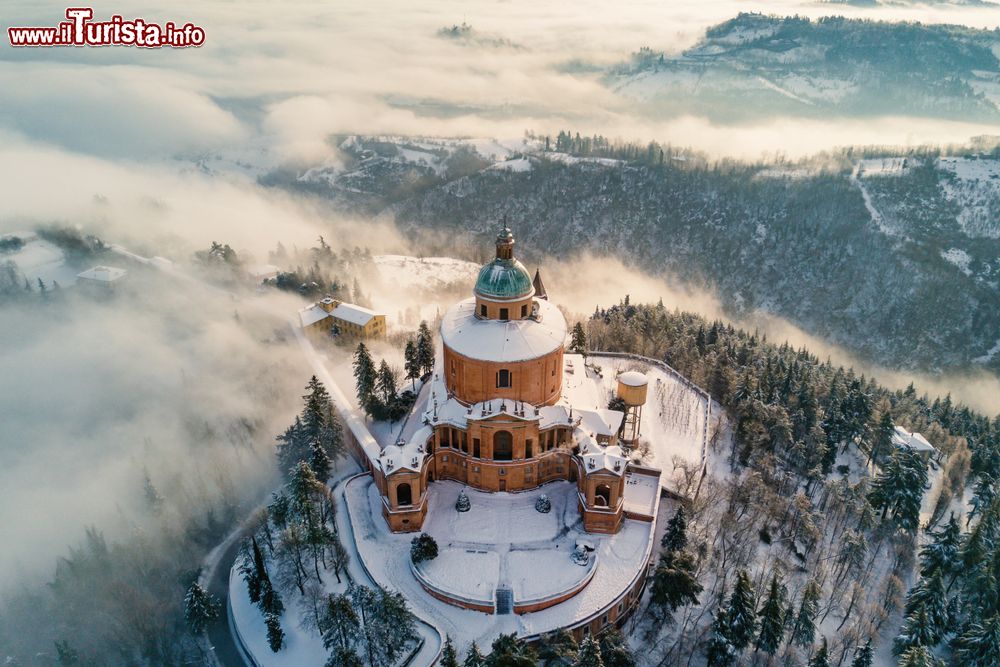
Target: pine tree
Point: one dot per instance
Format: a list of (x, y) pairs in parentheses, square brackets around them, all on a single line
[(474, 658), (275, 635), (578, 341), (720, 650), (943, 553), (365, 377), (448, 656), (557, 648), (615, 650), (340, 622), (741, 612), (509, 651), (320, 462), (919, 656), (293, 446), (979, 645), (821, 658), (411, 362), (899, 488), (590, 654), (804, 627), (916, 631), (772, 619), (928, 594), (864, 656), (881, 443), (248, 571), (674, 582), (344, 657), (200, 609), (385, 385), (425, 348), (675, 537)]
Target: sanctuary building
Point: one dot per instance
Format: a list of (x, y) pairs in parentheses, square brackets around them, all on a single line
[(510, 410)]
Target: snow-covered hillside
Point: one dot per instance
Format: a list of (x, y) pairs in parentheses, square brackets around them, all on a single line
[(39, 259)]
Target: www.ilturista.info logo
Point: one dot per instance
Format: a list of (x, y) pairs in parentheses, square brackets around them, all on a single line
[(79, 30)]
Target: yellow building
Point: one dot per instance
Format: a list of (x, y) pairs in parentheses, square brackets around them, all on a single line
[(330, 317)]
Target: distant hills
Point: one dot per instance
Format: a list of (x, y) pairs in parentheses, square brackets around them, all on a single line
[(756, 65), (894, 257)]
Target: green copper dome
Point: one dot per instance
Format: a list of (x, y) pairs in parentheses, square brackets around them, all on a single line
[(503, 279)]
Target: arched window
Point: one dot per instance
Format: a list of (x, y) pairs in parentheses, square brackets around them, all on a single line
[(504, 379), (404, 495), (602, 495), (503, 446)]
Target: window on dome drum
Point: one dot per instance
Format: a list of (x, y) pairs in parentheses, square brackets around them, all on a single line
[(527, 449), (504, 379), (482, 310), (524, 310), (475, 447), (504, 314), (404, 495), (503, 446), (602, 495)]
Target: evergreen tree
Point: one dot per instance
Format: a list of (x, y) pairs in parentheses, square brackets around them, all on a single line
[(448, 656), (200, 609), (741, 612), (864, 655), (821, 658), (275, 635), (919, 656), (916, 631), (720, 650), (675, 537), (557, 649), (474, 658), (425, 348), (344, 657), (411, 362), (979, 645), (385, 386), (804, 627), (928, 594), (293, 446), (423, 547), (340, 622), (320, 462), (615, 650), (578, 340), (365, 377), (899, 488), (509, 651), (881, 444), (590, 654), (943, 553), (772, 619), (674, 582)]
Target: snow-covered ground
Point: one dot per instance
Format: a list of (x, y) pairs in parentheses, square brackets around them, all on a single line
[(975, 186), (675, 419), (38, 258), (533, 551), (959, 258)]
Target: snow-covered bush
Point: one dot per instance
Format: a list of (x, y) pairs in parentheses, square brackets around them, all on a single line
[(423, 547)]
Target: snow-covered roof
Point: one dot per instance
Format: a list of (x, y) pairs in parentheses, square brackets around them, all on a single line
[(499, 340), (601, 421), (311, 315), (104, 274), (596, 457), (633, 379), (353, 314), (914, 441)]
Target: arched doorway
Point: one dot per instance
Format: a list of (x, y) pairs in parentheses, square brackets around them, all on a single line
[(602, 495), (503, 446), (404, 495)]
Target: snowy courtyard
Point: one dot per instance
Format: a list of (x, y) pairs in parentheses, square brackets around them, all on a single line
[(501, 542)]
